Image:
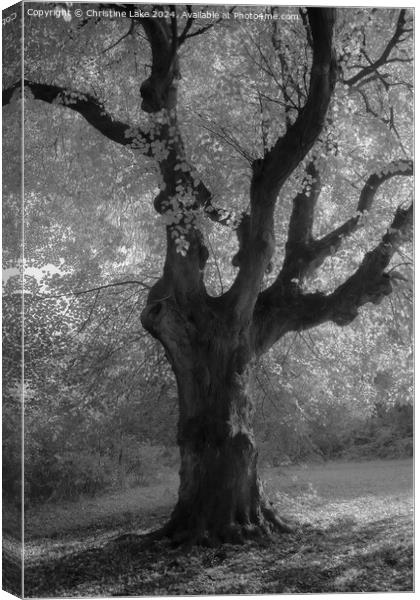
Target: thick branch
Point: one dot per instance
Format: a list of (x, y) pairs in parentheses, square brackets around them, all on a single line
[(290, 149), (89, 107), (370, 283), (301, 220), (383, 59), (305, 254), (121, 133), (159, 91), (300, 237), (330, 243), (271, 172), (295, 311)]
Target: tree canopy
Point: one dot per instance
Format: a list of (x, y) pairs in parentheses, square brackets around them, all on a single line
[(228, 180)]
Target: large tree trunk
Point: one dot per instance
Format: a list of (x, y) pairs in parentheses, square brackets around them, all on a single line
[(221, 498)]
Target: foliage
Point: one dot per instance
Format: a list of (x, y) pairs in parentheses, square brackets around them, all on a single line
[(99, 394)]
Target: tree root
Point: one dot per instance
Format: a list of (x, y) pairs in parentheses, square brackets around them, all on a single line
[(184, 532), (267, 526), (137, 540), (277, 522)]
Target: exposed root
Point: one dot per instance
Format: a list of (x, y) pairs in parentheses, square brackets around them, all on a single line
[(138, 540), (277, 522), (269, 524), (194, 531)]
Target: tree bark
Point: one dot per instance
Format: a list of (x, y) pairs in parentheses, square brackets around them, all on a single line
[(221, 498), (211, 342)]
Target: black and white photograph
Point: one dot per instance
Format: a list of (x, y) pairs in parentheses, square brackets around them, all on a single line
[(207, 217)]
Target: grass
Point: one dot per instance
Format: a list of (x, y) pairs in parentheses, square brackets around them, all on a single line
[(354, 535)]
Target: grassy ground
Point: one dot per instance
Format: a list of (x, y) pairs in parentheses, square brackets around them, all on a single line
[(354, 535)]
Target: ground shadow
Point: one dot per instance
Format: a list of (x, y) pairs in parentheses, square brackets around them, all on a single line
[(346, 556)]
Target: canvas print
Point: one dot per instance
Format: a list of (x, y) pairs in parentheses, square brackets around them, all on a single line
[(207, 299)]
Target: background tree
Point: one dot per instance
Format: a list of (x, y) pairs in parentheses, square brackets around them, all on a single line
[(306, 109)]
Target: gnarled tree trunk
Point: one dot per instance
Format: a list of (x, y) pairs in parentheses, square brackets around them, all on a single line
[(221, 498), (211, 343)]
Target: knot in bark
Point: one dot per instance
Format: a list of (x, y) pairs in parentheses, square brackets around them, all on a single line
[(243, 233), (158, 94), (151, 316)]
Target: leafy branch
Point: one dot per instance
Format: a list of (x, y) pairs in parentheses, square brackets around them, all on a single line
[(372, 68), (89, 107), (185, 35)]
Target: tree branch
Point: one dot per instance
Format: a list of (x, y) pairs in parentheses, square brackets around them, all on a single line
[(303, 253), (301, 221), (369, 283), (373, 66), (290, 149), (125, 35), (295, 311), (187, 27), (159, 90), (90, 108), (95, 289), (271, 172), (185, 35), (330, 243), (121, 133)]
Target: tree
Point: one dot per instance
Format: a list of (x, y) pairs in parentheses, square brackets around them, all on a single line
[(213, 341)]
